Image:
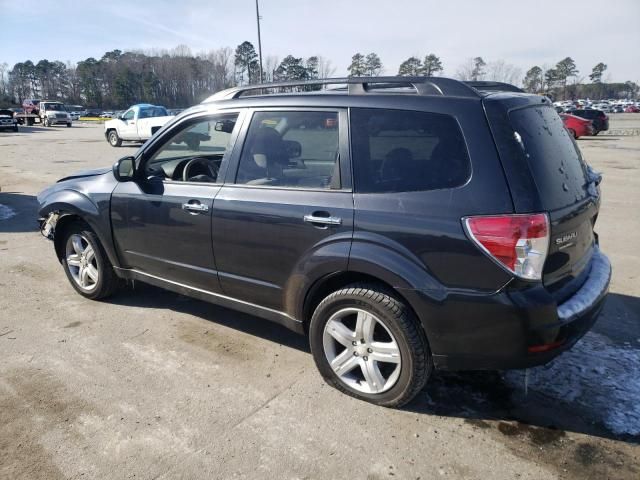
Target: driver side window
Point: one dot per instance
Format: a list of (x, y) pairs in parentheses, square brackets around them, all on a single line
[(129, 115), (194, 153)]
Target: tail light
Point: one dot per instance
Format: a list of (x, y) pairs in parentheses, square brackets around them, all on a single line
[(519, 243)]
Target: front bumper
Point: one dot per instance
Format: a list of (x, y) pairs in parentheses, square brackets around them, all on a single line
[(58, 121), (517, 328)]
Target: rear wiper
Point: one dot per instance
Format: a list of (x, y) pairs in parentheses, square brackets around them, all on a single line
[(593, 176)]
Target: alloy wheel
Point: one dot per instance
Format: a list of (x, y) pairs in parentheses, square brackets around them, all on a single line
[(82, 262), (362, 351)]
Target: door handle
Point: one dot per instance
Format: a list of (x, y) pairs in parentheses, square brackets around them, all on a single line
[(322, 220), (195, 207)]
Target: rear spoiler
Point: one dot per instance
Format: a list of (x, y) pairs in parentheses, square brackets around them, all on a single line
[(493, 86)]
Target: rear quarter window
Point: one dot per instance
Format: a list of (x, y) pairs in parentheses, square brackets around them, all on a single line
[(401, 151), (553, 156)]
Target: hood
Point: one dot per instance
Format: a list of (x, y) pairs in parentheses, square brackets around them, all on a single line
[(86, 173)]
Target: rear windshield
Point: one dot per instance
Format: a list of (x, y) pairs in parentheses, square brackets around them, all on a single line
[(553, 156)]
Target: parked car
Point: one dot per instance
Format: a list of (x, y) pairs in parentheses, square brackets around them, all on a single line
[(7, 120), (439, 224), (138, 123), (632, 109), (577, 126), (76, 111), (617, 109), (598, 117), (108, 114)]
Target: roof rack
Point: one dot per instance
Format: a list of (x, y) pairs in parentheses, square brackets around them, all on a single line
[(362, 85)]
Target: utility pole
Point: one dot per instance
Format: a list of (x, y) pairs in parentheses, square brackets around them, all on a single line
[(259, 40)]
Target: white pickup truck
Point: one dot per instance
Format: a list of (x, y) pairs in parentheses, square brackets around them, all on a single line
[(137, 124)]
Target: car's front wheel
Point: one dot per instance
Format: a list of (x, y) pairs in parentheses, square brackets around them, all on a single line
[(114, 139), (368, 344), (86, 263)]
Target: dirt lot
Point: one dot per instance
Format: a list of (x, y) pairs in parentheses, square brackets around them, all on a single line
[(154, 385)]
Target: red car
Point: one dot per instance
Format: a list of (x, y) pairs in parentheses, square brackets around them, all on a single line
[(578, 127), (632, 109)]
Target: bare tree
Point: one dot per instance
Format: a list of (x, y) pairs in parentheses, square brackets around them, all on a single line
[(465, 71), (271, 62), (325, 68), (500, 71)]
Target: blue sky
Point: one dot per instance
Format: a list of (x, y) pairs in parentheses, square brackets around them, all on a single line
[(520, 33)]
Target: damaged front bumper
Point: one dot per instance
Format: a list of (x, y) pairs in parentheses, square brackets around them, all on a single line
[(48, 225)]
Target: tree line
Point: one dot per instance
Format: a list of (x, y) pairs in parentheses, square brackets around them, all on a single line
[(178, 78)]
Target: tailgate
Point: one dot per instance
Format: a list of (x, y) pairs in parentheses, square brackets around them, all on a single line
[(560, 183)]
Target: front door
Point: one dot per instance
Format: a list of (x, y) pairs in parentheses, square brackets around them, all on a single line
[(128, 128), (162, 221), (289, 200)]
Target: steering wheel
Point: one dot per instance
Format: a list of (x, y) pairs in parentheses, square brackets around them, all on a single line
[(213, 171)]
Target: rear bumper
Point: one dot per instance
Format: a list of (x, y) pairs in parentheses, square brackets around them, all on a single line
[(518, 328)]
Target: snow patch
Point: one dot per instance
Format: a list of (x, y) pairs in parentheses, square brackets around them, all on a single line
[(600, 378), (6, 212)]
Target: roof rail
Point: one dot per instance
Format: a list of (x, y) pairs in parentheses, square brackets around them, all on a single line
[(362, 85), (485, 86)]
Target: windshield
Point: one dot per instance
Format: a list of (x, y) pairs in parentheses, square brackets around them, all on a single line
[(54, 106)]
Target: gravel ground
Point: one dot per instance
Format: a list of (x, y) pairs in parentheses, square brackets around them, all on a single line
[(150, 384)]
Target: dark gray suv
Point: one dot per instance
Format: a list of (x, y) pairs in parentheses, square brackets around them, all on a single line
[(403, 224)]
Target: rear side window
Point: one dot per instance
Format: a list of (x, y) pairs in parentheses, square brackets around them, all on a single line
[(403, 151), (553, 157)]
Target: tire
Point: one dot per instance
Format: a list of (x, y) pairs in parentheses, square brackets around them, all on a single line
[(395, 333), (15, 129), (596, 132), (104, 281), (114, 139), (68, 125), (573, 133), (46, 122)]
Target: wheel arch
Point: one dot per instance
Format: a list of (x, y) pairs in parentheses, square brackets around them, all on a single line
[(73, 206), (393, 268)]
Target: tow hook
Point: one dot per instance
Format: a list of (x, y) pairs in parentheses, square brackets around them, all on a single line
[(48, 225)]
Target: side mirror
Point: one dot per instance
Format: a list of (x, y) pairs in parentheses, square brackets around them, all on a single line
[(124, 169)]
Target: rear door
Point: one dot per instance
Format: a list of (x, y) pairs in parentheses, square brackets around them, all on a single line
[(562, 185), (288, 197)]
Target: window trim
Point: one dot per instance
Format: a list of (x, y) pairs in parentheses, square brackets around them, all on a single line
[(346, 184), (183, 123)]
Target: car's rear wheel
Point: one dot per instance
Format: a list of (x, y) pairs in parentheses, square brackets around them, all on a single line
[(596, 132), (573, 133), (114, 139), (368, 344), (86, 263), (46, 122)]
